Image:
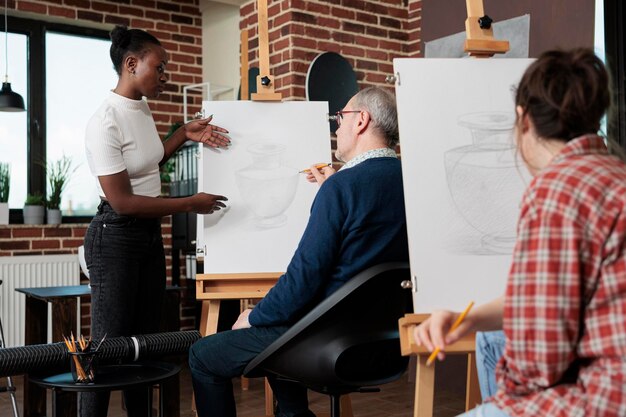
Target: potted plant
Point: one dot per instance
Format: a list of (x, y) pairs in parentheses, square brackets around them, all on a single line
[(168, 185), (58, 174), (5, 182), (167, 169), (34, 208)]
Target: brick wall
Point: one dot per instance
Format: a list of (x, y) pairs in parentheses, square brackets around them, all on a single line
[(413, 28), (22, 239), (369, 34)]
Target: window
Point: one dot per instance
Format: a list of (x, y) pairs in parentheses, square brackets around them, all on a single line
[(70, 102), (598, 36), (63, 72), (615, 48), (13, 144)]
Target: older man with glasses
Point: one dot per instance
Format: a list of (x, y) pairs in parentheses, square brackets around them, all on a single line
[(357, 221)]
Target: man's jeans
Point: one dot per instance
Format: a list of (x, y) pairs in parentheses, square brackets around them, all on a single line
[(214, 360), (489, 350)]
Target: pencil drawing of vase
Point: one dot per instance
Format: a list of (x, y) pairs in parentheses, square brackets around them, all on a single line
[(267, 186), (485, 179)]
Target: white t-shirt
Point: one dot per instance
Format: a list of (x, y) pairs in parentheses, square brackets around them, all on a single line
[(120, 136)]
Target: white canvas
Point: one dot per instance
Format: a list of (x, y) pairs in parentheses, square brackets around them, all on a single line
[(463, 180), (268, 199)]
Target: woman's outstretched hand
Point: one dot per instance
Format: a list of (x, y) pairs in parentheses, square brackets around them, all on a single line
[(203, 203), (204, 132)]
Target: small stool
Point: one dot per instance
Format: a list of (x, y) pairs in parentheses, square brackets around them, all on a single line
[(10, 388), (114, 378)]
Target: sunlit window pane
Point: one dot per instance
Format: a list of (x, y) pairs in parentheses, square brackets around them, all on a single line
[(598, 36), (75, 88), (13, 126), (599, 44)]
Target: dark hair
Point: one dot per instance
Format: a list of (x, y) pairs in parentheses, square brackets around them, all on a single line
[(565, 93), (124, 40)]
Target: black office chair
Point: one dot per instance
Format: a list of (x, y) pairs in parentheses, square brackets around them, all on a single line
[(349, 342)]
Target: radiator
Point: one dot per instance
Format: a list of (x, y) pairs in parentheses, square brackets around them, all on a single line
[(29, 272)]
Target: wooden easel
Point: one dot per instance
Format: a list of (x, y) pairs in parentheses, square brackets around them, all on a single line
[(264, 81), (243, 67), (425, 375), (213, 288), (479, 43)]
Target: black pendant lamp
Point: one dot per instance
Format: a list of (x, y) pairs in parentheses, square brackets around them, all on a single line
[(9, 100)]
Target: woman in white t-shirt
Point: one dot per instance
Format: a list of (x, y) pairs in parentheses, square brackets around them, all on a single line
[(123, 245)]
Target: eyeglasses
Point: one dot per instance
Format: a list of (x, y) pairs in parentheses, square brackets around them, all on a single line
[(338, 117)]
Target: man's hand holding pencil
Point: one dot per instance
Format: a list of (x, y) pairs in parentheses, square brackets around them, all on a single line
[(318, 172)]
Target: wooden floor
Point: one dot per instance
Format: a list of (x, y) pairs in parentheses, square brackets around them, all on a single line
[(394, 400)]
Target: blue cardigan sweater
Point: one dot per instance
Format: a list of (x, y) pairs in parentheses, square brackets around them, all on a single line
[(357, 221)]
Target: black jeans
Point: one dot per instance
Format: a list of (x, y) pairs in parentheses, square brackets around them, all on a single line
[(126, 263)]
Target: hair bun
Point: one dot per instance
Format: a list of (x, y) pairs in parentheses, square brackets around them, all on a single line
[(120, 36)]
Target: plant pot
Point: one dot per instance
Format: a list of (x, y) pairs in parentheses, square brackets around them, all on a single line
[(4, 213), (33, 214), (53, 216)]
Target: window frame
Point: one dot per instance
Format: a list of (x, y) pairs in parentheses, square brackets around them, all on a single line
[(615, 43), (35, 31)]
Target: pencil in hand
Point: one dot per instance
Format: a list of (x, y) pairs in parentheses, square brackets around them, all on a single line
[(456, 324), (318, 166)]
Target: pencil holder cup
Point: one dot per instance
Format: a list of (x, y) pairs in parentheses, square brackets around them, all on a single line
[(84, 365)]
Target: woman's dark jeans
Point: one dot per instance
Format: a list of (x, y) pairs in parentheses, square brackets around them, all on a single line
[(126, 263)]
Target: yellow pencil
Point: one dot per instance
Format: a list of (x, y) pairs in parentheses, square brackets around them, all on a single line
[(318, 166), (456, 324)]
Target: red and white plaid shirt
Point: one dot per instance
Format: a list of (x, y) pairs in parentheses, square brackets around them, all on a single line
[(565, 304)]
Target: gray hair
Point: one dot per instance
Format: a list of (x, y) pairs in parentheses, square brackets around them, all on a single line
[(381, 106)]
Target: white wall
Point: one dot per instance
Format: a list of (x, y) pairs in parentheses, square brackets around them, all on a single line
[(220, 42)]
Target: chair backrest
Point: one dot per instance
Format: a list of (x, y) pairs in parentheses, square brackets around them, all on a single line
[(349, 340)]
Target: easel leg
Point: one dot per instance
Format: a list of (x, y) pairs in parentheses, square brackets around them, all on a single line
[(346, 406), (472, 391), (243, 305), (208, 326), (269, 399), (210, 314), (424, 388)]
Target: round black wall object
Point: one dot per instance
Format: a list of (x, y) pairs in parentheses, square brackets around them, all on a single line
[(331, 78)]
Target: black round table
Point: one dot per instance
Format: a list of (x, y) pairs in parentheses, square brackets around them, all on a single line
[(114, 378)]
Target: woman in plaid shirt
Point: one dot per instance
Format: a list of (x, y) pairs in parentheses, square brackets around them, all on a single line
[(564, 310)]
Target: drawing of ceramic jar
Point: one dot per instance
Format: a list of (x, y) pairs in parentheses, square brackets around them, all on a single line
[(267, 186), (485, 179)]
